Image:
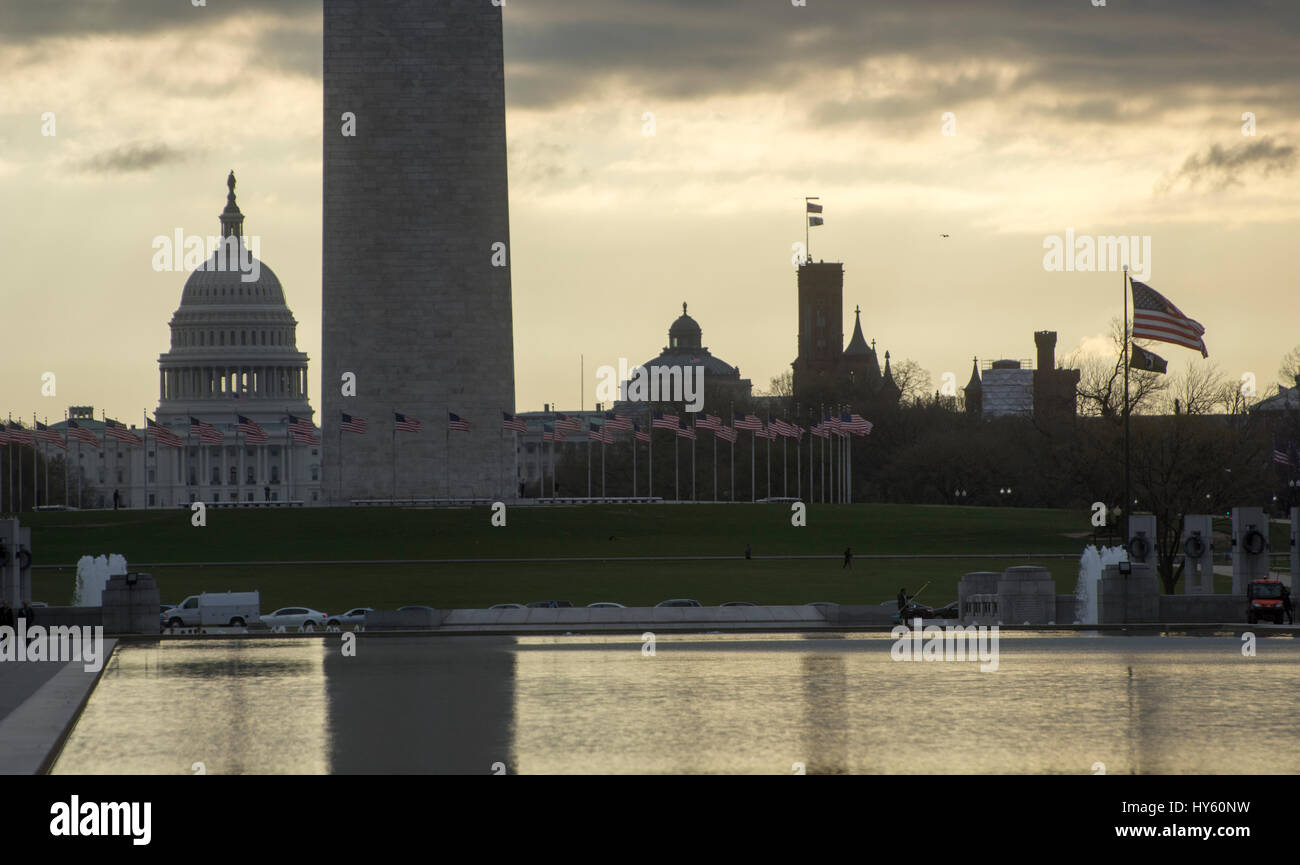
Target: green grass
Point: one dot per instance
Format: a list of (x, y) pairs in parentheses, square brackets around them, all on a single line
[(351, 534)]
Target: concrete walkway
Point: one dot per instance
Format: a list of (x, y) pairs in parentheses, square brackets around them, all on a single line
[(39, 702)]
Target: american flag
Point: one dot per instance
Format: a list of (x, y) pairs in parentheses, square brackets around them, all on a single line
[(1281, 456), (80, 433), (302, 431), (405, 423), (49, 436), (4, 436), (746, 421), (619, 422), (119, 431), (353, 424), (782, 427), (19, 434), (251, 428), (594, 433), (564, 423), (665, 421), (550, 434), (765, 433), (819, 430), (512, 423), (1156, 318), (457, 423), (711, 421), (205, 431), (854, 423), (685, 431), (727, 434), (162, 434), (640, 434)]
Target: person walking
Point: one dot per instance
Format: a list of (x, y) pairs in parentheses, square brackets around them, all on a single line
[(902, 599), (117, 499), (26, 612), (749, 553), (848, 559), (1287, 607)]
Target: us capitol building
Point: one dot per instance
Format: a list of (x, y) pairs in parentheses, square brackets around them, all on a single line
[(233, 353)]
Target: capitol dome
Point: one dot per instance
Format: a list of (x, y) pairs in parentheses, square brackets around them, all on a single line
[(233, 338)]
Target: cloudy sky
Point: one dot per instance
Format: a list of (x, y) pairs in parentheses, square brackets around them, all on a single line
[(1122, 119)]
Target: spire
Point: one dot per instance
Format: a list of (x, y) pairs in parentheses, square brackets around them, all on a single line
[(887, 385), (858, 344), (232, 221), (974, 384), (683, 307)]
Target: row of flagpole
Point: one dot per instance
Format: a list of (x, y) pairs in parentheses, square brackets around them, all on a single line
[(41, 436)]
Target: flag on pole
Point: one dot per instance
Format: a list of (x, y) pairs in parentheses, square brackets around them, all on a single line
[(513, 423), (855, 424), (162, 434), (814, 208), (711, 422), (353, 424), (617, 421), (594, 433), (815, 221), (251, 428), (456, 422), (118, 430), (206, 431), (564, 423), (1154, 317), (80, 433), (746, 422), (405, 423), (1281, 456), (19, 434), (684, 430), (49, 436), (664, 421), (302, 430), (640, 434), (727, 434), (1140, 358)]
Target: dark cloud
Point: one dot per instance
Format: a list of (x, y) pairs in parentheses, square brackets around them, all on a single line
[(132, 157), (1219, 167), (559, 50), (28, 20)]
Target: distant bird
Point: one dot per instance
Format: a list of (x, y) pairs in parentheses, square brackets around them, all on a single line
[(943, 235)]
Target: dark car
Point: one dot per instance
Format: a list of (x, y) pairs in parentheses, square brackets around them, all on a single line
[(551, 604)]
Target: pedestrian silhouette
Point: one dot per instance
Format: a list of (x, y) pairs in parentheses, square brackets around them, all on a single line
[(748, 552), (848, 558)]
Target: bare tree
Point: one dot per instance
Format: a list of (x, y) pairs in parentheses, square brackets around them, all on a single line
[(1289, 371), (1101, 380), (781, 385), (912, 381)]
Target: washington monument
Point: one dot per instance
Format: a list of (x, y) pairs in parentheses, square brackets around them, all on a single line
[(416, 244)]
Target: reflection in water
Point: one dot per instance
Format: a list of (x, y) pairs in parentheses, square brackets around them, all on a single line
[(700, 704), (237, 706)]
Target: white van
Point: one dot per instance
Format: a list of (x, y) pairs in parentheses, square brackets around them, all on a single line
[(234, 609)]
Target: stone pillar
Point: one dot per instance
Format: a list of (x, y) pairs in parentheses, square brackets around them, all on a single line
[(1142, 526), (1128, 598), (131, 604), (1198, 573), (1249, 532)]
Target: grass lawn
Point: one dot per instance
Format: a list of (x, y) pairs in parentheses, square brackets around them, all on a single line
[(352, 534)]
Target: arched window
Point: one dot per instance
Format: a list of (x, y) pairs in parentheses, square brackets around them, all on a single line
[(243, 337), (223, 337)]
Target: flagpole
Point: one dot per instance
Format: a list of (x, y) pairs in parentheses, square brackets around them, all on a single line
[(394, 454), (1124, 514), (715, 465), (634, 461), (694, 442), (144, 458), (650, 456), (602, 461), (753, 447)]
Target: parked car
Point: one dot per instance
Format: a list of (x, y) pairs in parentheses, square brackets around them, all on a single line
[(507, 607), (737, 604), (552, 604), (302, 618), (351, 619), (822, 604), (679, 602), (233, 609), (409, 607), (608, 605)]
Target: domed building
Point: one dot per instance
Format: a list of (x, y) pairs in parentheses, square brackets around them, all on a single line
[(234, 365), (686, 348)]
